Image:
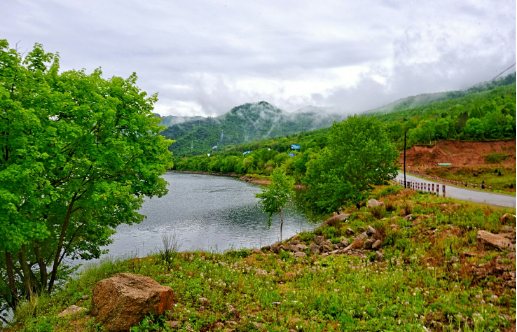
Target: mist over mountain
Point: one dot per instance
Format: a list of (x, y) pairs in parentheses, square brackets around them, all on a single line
[(171, 120), (245, 123), (429, 98)]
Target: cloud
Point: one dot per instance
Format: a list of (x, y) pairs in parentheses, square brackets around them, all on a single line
[(206, 57)]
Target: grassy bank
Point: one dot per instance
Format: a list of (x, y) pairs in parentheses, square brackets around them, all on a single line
[(434, 276)]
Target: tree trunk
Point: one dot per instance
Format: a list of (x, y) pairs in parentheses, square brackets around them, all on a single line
[(10, 276), (281, 223), (26, 272), (60, 245), (42, 267)]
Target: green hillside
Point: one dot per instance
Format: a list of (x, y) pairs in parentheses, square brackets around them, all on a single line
[(246, 123), (429, 98)]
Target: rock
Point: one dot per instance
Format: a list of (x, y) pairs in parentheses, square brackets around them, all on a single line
[(319, 239), (85, 297), (394, 226), (497, 241), (315, 249), (257, 252), (71, 311), (343, 243), (327, 243), (218, 325), (379, 256), (455, 259), (349, 232), (300, 254), (172, 323), (204, 301), (408, 217), (337, 218), (295, 242), (123, 300), (373, 203), (293, 248), (326, 248), (469, 254), (377, 244), (361, 229), (507, 228), (509, 236), (370, 231), (301, 246), (231, 323), (361, 237), (258, 325), (276, 303), (369, 243)]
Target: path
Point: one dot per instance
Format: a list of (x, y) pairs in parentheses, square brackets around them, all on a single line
[(466, 194)]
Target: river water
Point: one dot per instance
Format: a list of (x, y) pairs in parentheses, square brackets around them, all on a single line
[(210, 213)]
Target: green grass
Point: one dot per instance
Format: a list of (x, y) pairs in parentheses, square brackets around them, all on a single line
[(425, 279), (501, 178)]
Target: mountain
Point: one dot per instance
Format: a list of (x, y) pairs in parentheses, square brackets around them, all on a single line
[(245, 123), (429, 98), (171, 120)]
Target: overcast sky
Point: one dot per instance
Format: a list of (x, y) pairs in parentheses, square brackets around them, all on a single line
[(205, 57)]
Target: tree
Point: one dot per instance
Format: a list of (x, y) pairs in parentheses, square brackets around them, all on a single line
[(77, 155), (274, 197), (358, 156)]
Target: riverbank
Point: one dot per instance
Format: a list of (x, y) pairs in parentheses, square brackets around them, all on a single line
[(430, 268), (252, 178)]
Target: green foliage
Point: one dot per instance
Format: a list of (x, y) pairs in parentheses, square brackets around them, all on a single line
[(79, 152), (276, 195), (358, 156)]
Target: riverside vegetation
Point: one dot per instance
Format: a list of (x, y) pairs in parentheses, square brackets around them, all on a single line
[(434, 275), (82, 151)]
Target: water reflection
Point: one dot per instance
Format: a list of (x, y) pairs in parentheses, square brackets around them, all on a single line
[(208, 213)]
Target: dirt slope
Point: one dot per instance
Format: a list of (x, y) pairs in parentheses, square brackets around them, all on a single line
[(459, 153)]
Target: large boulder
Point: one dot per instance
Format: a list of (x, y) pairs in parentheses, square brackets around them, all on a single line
[(123, 300), (497, 241), (373, 203)]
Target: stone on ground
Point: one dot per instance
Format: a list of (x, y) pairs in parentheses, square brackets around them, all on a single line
[(123, 300), (496, 241)]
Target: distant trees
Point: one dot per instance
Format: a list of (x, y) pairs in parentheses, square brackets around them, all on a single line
[(358, 156), (77, 155)]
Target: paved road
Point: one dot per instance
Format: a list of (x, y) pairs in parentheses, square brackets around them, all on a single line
[(466, 194)]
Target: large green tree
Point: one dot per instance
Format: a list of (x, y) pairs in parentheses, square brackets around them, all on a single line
[(358, 156), (77, 155), (274, 197)]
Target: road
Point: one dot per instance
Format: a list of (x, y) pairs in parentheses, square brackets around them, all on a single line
[(466, 194)]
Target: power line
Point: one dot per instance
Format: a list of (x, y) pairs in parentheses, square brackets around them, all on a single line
[(501, 73)]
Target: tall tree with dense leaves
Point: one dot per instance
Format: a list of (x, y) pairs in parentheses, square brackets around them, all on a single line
[(77, 155), (358, 156), (274, 197)]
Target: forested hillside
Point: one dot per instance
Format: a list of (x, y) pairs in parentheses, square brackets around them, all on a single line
[(481, 116), (245, 123), (428, 98), (477, 116)]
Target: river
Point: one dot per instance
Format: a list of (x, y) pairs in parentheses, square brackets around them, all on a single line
[(211, 213)]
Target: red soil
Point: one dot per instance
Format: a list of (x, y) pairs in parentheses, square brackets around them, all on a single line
[(459, 153)]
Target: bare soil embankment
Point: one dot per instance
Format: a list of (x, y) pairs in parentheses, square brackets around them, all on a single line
[(460, 154)]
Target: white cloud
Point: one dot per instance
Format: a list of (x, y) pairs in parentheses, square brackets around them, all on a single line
[(205, 57)]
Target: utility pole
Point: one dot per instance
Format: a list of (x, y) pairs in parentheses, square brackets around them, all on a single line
[(405, 132)]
